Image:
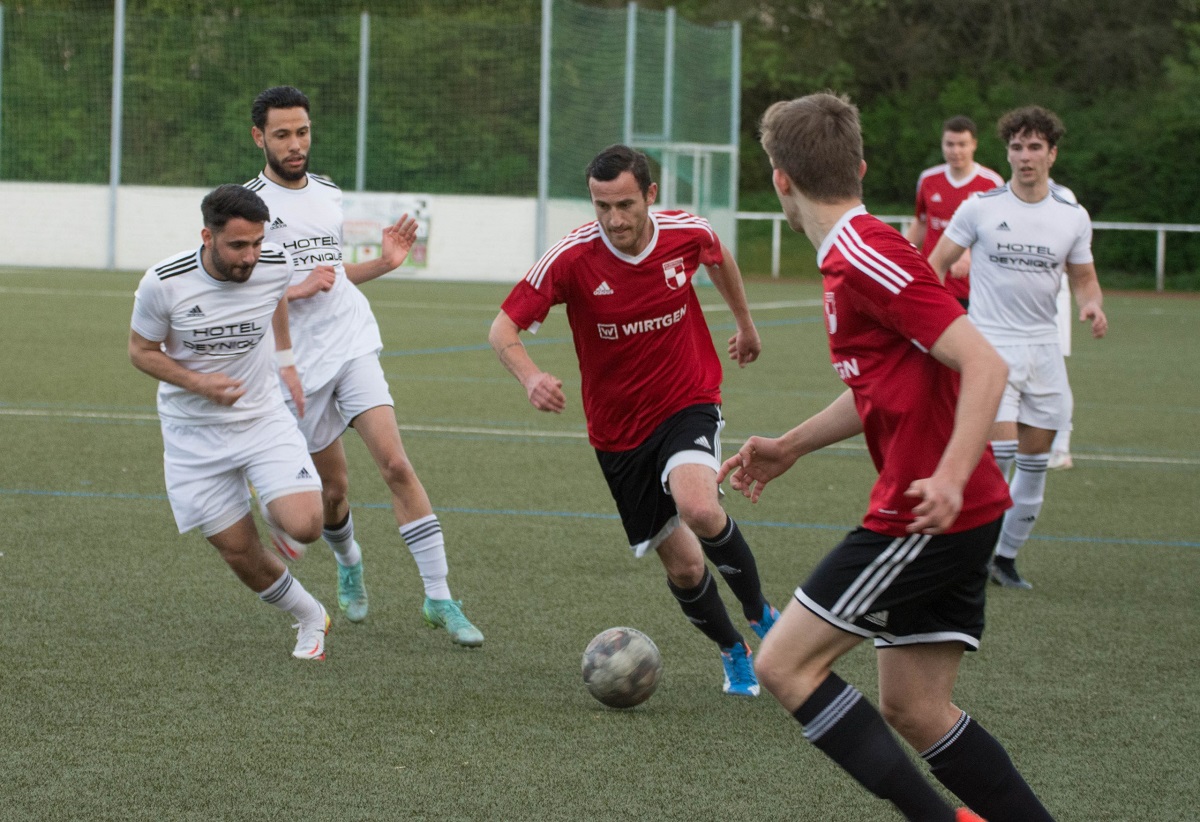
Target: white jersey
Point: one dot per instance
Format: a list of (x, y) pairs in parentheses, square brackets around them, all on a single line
[(1018, 256), (210, 326), (331, 327)]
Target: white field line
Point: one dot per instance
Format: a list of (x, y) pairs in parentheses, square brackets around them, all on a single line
[(448, 306), (524, 433), (65, 292)]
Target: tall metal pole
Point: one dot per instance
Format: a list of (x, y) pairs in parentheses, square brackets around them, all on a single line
[(364, 62), (543, 193), (668, 157), (114, 154), (669, 77), (735, 127), (1, 82), (630, 62)]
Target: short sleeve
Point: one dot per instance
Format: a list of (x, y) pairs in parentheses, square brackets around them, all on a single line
[(961, 230), (712, 255), (1081, 249), (150, 319), (919, 210), (528, 306), (923, 311)]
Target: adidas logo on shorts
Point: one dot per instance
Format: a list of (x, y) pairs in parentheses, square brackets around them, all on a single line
[(304, 474), (702, 442), (878, 618)]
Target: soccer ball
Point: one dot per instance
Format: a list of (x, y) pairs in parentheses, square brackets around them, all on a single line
[(621, 667)]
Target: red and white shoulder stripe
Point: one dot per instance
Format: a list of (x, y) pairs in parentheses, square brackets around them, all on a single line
[(580, 236), (668, 220), (862, 256), (991, 176), (931, 171)]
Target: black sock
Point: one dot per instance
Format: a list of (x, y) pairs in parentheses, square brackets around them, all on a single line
[(702, 605), (972, 764), (730, 553), (848, 729), (337, 526)]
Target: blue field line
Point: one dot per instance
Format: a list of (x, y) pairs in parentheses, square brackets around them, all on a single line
[(518, 512)]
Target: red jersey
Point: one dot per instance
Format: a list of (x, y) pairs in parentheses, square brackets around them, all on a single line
[(938, 197), (645, 351), (884, 310)]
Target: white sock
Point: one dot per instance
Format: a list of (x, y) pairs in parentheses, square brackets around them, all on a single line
[(341, 540), (1028, 489), (1005, 451), (1062, 442), (424, 539), (287, 594)]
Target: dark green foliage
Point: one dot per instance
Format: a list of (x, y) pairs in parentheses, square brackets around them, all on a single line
[(454, 91)]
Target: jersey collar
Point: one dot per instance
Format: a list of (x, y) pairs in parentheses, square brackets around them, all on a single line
[(646, 252), (831, 237)]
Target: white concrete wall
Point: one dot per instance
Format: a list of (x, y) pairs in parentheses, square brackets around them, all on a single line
[(58, 225), (54, 225)]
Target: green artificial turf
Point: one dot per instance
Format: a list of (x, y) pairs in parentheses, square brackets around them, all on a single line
[(141, 681)]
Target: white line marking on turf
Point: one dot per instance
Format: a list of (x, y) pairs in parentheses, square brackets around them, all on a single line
[(778, 305), (64, 292), (518, 432)]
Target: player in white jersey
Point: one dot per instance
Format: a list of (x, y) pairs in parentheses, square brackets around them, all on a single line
[(1023, 236), (206, 324), (337, 345)]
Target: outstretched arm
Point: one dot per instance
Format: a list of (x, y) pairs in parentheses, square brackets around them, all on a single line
[(944, 255), (284, 357), (762, 459), (398, 240), (1086, 287), (148, 357), (916, 231), (982, 378), (543, 389), (744, 345)]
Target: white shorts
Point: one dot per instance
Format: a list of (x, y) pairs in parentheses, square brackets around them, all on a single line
[(358, 386), (1037, 393), (208, 468)]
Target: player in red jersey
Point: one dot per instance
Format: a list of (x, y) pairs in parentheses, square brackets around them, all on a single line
[(923, 386), (651, 385), (941, 190)]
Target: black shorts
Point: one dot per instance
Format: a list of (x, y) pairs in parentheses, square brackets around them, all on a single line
[(905, 590), (638, 478)]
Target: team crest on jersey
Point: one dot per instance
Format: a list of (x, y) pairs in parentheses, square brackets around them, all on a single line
[(830, 313), (675, 273)]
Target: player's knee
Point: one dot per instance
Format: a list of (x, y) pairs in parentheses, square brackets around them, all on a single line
[(309, 528), (705, 517), (303, 523), (907, 717), (773, 670), (397, 471), (686, 575), (334, 492)]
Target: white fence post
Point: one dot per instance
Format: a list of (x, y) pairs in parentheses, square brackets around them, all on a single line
[(1160, 261), (1160, 230)]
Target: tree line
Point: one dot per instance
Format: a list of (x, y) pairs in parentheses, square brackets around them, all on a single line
[(1124, 77)]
